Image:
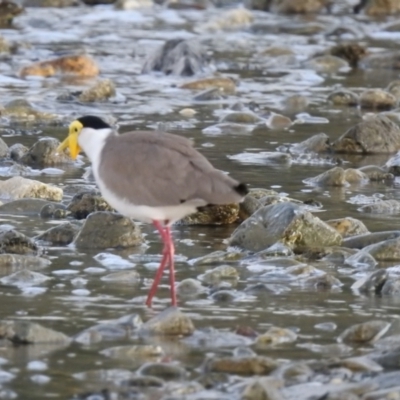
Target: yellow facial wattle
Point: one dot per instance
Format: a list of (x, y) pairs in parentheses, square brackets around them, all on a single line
[(72, 140)]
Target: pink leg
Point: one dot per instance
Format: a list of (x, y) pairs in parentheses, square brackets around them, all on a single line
[(171, 251), (167, 258)]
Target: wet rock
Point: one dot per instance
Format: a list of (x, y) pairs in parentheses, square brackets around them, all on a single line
[(348, 226), (295, 103), (376, 174), (3, 149), (163, 370), (237, 18), (277, 51), (377, 99), (131, 4), (111, 330), (8, 11), (328, 64), (263, 389), (222, 272), (287, 223), (53, 211), (27, 332), (52, 3), (361, 241), (275, 336), (225, 214), (382, 207), (247, 207), (217, 257), (382, 60), (388, 250), (76, 65), (322, 282), (391, 287), (102, 90), (318, 144), (87, 202), (242, 118), (375, 8), (388, 343), (178, 57), (344, 97), (17, 151), (393, 165), (378, 135), (394, 89), (133, 352), (211, 94), (256, 365), (124, 277), (278, 121), (355, 176), (170, 322), (188, 112), (17, 261), (227, 85), (5, 46), (20, 110), (214, 339), (333, 177), (18, 187), (60, 235), (14, 242), (372, 283), (24, 278), (391, 393), (43, 153), (105, 229), (295, 7), (24, 206), (365, 332), (189, 288), (351, 52)]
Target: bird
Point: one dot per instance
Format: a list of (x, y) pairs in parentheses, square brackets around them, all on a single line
[(151, 176)]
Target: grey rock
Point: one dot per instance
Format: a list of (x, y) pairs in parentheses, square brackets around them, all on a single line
[(348, 226), (371, 283), (343, 97), (170, 322), (333, 177), (86, 202), (366, 239), (223, 272), (382, 207), (24, 278), (3, 149), (377, 99), (60, 235), (134, 352), (190, 288), (17, 151), (391, 287), (14, 242), (263, 389), (12, 262), (388, 250), (177, 57), (24, 206), (366, 332), (53, 211), (376, 135), (43, 153), (18, 187), (256, 365), (217, 214), (286, 222), (123, 277), (105, 229), (163, 370), (27, 332), (317, 143)]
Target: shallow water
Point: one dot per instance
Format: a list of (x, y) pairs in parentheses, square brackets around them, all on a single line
[(120, 41)]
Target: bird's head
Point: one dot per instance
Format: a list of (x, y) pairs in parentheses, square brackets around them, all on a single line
[(88, 122)]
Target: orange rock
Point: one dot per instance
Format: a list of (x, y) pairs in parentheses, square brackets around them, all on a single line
[(78, 65)]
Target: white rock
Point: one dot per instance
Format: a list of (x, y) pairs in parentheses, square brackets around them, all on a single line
[(18, 187)]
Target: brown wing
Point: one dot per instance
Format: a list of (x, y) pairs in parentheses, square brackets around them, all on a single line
[(161, 169)]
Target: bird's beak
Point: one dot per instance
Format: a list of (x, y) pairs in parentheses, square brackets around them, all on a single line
[(72, 143)]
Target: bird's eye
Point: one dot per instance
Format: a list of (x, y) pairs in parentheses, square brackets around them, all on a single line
[(76, 130)]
